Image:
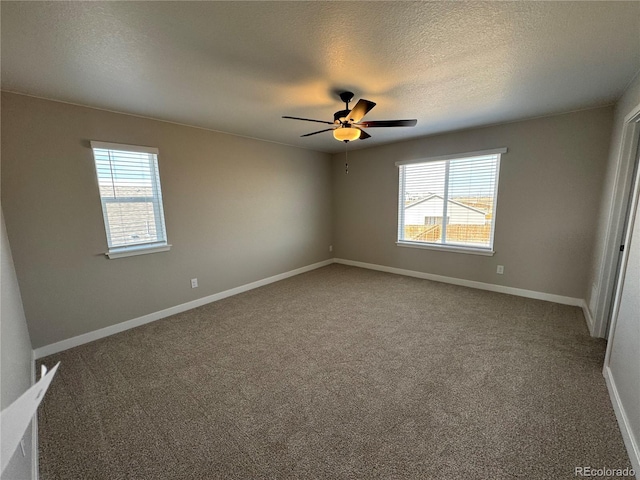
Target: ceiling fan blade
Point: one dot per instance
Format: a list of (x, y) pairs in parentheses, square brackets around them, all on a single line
[(389, 123), (319, 131), (360, 110), (363, 135), (308, 120)]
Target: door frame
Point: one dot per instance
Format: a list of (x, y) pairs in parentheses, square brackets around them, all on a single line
[(621, 197), (635, 199), (631, 443)]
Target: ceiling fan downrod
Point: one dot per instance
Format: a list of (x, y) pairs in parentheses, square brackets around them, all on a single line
[(340, 117)]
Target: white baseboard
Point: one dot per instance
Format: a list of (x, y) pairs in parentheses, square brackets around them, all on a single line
[(152, 317), (629, 440), (633, 448), (589, 318), (35, 468), (549, 297)]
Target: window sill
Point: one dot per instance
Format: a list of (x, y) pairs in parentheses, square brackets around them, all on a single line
[(447, 248), (137, 250)]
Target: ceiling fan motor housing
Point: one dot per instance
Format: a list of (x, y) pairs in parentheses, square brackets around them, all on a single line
[(340, 116)]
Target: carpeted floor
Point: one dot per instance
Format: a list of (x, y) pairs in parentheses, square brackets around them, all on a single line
[(337, 373)]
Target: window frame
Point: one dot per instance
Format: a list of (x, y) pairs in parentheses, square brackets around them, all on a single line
[(449, 247), (120, 251)]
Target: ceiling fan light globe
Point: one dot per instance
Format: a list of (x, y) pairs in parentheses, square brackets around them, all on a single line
[(346, 134)]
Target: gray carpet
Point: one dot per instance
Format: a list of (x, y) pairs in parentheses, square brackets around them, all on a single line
[(337, 373)]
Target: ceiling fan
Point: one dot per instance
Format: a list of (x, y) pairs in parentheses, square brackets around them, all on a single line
[(347, 124)]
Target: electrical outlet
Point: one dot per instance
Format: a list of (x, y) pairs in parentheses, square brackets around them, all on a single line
[(194, 283), (331, 248), (500, 269)]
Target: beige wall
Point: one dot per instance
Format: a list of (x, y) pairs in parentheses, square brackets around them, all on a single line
[(15, 353), (548, 202), (237, 210)]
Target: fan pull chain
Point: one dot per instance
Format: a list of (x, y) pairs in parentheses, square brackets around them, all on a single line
[(346, 159)]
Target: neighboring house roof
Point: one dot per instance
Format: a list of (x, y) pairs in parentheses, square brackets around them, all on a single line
[(433, 195)]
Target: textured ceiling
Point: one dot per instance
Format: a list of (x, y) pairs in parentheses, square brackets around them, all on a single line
[(237, 67)]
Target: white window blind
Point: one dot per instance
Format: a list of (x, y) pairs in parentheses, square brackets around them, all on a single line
[(449, 202), (131, 196)]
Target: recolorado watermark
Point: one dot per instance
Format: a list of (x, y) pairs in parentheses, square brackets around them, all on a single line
[(603, 472)]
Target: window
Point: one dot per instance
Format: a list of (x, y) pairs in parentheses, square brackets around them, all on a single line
[(131, 198), (459, 188)]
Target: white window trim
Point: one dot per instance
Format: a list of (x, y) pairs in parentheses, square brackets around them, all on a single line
[(452, 247), (139, 249), (446, 248), (121, 252), (479, 153), (124, 147)]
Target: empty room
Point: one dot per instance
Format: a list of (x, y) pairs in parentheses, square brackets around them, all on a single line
[(320, 239)]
